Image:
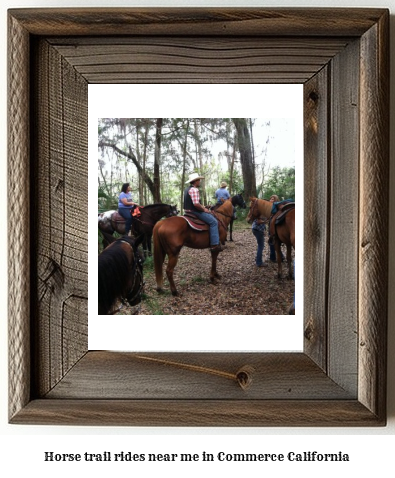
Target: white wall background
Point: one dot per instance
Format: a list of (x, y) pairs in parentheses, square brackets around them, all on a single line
[(23, 446)]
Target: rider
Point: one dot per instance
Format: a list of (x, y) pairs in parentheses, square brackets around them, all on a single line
[(222, 194), (192, 204), (125, 206)]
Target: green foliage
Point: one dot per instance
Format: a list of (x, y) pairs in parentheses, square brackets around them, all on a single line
[(153, 304), (281, 181), (106, 201)]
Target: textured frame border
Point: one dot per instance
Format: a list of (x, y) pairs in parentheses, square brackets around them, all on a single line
[(332, 405)]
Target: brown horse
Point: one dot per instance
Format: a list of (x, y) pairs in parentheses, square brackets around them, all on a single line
[(174, 233), (282, 233)]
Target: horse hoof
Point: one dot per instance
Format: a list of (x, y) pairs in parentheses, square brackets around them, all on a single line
[(218, 276), (174, 293), (159, 290)]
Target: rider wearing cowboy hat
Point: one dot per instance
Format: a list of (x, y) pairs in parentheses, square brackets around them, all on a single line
[(222, 194), (192, 204)]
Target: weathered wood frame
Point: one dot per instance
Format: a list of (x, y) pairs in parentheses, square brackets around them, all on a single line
[(342, 57)]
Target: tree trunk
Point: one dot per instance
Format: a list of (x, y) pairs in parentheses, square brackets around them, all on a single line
[(184, 158), (232, 165), (246, 159), (131, 156), (144, 191), (203, 193), (158, 143)]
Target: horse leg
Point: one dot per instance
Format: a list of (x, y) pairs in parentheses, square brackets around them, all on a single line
[(277, 245), (145, 246), (159, 259), (171, 264), (289, 260), (213, 273), (149, 244), (231, 230)]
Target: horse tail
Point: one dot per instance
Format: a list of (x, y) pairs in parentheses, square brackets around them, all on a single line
[(159, 256)]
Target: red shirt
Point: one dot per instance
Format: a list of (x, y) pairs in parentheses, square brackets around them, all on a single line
[(195, 196)]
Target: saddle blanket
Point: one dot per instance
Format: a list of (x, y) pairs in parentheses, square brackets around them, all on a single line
[(195, 223)]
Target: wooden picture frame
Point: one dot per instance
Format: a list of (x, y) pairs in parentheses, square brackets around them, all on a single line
[(342, 58)]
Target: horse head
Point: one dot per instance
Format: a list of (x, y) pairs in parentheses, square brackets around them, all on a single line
[(253, 213), (239, 201), (173, 211), (259, 208)]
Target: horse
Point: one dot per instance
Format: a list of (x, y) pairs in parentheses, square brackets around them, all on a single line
[(174, 233), (110, 222), (282, 232), (120, 274), (236, 201)]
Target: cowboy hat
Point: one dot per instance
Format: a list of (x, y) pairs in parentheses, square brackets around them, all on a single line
[(193, 177), (223, 184)]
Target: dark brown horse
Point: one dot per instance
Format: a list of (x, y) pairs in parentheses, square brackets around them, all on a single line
[(174, 233), (110, 222), (282, 233), (120, 274)]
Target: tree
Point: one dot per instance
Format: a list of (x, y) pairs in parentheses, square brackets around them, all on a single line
[(246, 157), (281, 181), (116, 135), (158, 143)]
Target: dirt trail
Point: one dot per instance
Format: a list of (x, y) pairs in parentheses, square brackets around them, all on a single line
[(244, 289)]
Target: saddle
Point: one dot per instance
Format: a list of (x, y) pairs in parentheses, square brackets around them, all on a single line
[(279, 217), (194, 222), (116, 218)]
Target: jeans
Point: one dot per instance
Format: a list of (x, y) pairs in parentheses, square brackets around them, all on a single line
[(261, 244), (126, 214), (213, 223)]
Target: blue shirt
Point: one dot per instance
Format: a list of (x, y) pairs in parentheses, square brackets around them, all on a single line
[(222, 193), (127, 196)]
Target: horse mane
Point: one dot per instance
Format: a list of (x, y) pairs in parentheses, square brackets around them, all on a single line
[(150, 206), (114, 272), (223, 205)]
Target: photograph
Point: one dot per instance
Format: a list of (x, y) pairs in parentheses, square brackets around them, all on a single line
[(207, 200), (194, 209)]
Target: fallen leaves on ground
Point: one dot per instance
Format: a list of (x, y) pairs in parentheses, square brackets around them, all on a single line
[(243, 289)]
